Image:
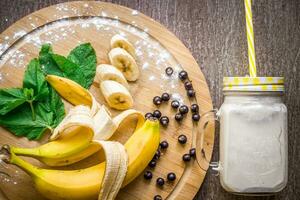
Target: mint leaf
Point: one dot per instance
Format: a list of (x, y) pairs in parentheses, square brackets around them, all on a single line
[(34, 78), (56, 106), (20, 122), (70, 69), (79, 66), (85, 57), (49, 66), (44, 110), (11, 99), (48, 114)]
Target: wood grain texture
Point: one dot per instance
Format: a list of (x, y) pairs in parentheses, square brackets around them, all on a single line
[(214, 31)]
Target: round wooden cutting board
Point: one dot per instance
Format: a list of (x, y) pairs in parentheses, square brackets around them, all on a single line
[(69, 24)]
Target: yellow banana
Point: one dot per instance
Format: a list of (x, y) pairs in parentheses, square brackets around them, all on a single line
[(86, 183), (65, 146), (92, 148), (70, 90), (73, 137)]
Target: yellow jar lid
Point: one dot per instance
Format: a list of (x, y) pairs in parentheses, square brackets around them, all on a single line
[(267, 84)]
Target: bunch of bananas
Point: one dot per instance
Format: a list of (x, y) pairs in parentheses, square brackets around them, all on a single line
[(113, 78), (82, 133)]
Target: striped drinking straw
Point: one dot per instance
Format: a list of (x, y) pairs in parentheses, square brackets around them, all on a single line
[(250, 38)]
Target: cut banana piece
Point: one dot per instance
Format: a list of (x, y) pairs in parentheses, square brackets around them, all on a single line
[(116, 95), (73, 92), (125, 63), (70, 90), (121, 42), (108, 72)]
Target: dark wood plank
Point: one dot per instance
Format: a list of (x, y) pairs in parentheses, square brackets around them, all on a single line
[(214, 31)]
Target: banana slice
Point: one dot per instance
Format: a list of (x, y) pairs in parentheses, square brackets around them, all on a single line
[(116, 95), (121, 42), (108, 72), (125, 63)]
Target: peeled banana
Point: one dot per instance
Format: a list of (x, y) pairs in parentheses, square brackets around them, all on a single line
[(116, 95), (120, 41), (121, 59), (108, 72), (87, 183), (72, 139)]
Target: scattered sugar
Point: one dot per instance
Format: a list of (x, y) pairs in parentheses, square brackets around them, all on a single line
[(145, 65), (33, 25), (151, 78), (103, 14), (148, 50), (19, 34), (178, 97), (134, 12)]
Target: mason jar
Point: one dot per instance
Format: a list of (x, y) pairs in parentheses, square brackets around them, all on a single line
[(253, 136)]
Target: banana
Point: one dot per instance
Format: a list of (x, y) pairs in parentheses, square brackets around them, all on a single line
[(120, 41), (87, 183), (125, 63), (73, 92), (92, 148), (108, 72), (116, 95), (71, 140), (70, 90)]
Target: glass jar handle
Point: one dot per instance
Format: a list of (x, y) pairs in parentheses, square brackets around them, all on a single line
[(212, 115)]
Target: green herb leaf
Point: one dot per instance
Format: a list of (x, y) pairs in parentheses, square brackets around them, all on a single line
[(49, 66), (34, 78), (85, 57), (44, 110), (20, 122), (48, 114), (70, 69), (56, 106), (11, 99), (80, 66)]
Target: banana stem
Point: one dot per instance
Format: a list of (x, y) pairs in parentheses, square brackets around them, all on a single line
[(24, 151), (27, 167), (9, 157)]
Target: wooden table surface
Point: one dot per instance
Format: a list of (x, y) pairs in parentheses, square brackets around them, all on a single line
[(214, 31)]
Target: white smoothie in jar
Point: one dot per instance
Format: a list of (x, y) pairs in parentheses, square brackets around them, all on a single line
[(253, 141)]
